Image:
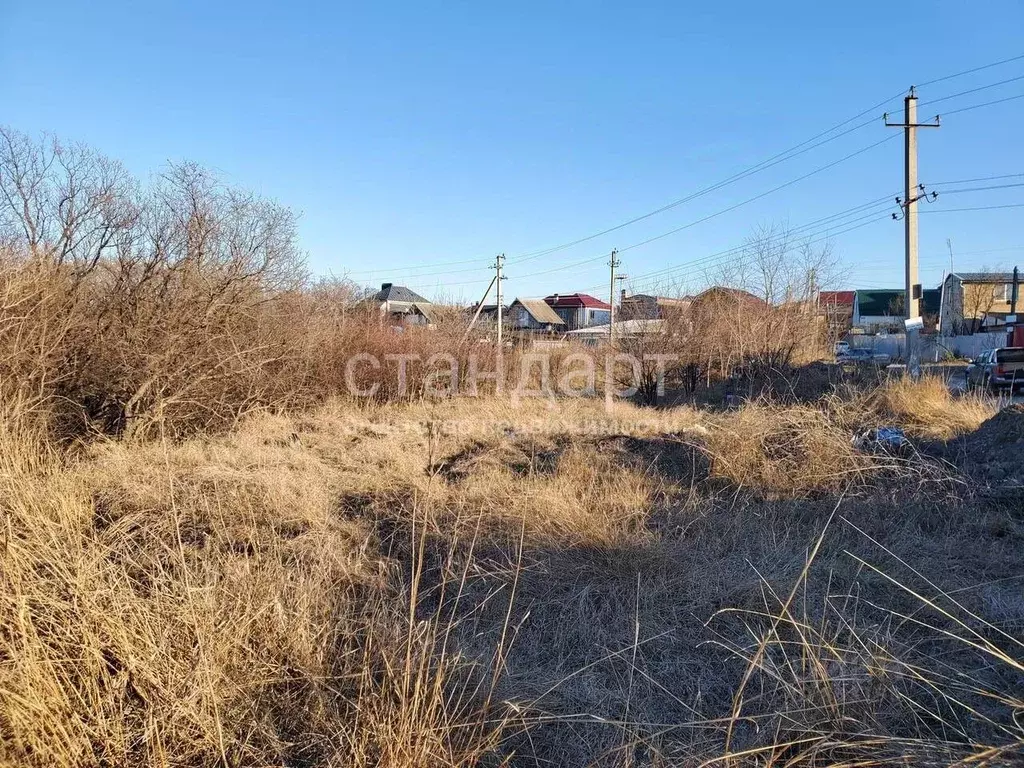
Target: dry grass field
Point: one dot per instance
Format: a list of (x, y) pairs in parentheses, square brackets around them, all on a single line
[(493, 582), (212, 553)]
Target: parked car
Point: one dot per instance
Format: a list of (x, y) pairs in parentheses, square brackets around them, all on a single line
[(995, 368)]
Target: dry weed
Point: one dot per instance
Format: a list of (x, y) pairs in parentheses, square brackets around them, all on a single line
[(927, 407), (481, 582)]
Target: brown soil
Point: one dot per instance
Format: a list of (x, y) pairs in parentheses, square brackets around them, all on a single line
[(994, 453)]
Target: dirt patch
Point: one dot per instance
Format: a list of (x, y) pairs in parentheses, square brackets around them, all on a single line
[(994, 453), (671, 458), (522, 456), (676, 459)]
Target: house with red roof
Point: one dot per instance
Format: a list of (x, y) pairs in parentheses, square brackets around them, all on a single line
[(579, 310), (837, 299), (837, 308)]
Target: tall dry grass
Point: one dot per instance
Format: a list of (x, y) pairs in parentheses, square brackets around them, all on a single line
[(488, 582), (927, 407), (167, 608)]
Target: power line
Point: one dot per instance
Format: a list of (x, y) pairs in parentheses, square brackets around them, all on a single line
[(980, 178), (763, 194), (720, 256), (984, 104), (763, 165), (727, 256), (979, 189), (739, 249), (819, 169), (832, 219), (978, 208), (972, 71), (769, 163), (971, 90), (964, 93), (718, 213), (726, 210), (833, 222)]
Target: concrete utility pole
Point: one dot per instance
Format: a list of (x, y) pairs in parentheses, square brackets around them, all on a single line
[(479, 309), (498, 263), (1016, 290), (913, 192), (611, 295)]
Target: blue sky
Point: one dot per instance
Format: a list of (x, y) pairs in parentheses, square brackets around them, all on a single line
[(413, 135)]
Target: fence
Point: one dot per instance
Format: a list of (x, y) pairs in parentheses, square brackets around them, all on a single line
[(933, 348)]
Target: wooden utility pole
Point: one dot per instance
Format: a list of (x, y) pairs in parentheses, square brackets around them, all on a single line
[(611, 295), (912, 194), (498, 263)]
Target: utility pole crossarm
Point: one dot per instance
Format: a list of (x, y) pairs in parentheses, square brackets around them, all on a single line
[(908, 119), (936, 124)]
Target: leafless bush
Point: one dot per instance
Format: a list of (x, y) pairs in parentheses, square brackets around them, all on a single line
[(763, 313)]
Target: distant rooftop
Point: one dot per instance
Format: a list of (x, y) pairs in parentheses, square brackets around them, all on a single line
[(540, 311), (837, 297), (878, 303), (985, 277), (576, 300), (392, 292)]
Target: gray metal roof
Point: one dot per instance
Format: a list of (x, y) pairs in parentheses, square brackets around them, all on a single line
[(985, 277), (391, 292)]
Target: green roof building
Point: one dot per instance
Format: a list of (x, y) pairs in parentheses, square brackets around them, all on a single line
[(882, 309)]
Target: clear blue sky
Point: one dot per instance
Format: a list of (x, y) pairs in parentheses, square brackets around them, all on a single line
[(412, 134)]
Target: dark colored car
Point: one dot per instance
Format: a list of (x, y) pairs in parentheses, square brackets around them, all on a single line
[(996, 368)]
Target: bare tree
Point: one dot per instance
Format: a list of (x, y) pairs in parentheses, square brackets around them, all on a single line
[(761, 314), (65, 203), (977, 302)]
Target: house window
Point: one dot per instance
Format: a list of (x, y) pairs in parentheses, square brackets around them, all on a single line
[(1002, 292)]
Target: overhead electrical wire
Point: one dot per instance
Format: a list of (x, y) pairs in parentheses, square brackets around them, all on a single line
[(976, 208), (819, 169), (770, 162), (788, 154), (828, 231), (767, 163), (833, 222), (978, 189), (969, 91), (739, 249), (763, 194), (983, 104), (979, 178), (706, 190), (651, 282), (1010, 60)]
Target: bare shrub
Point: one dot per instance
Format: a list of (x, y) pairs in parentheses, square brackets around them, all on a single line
[(762, 312)]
